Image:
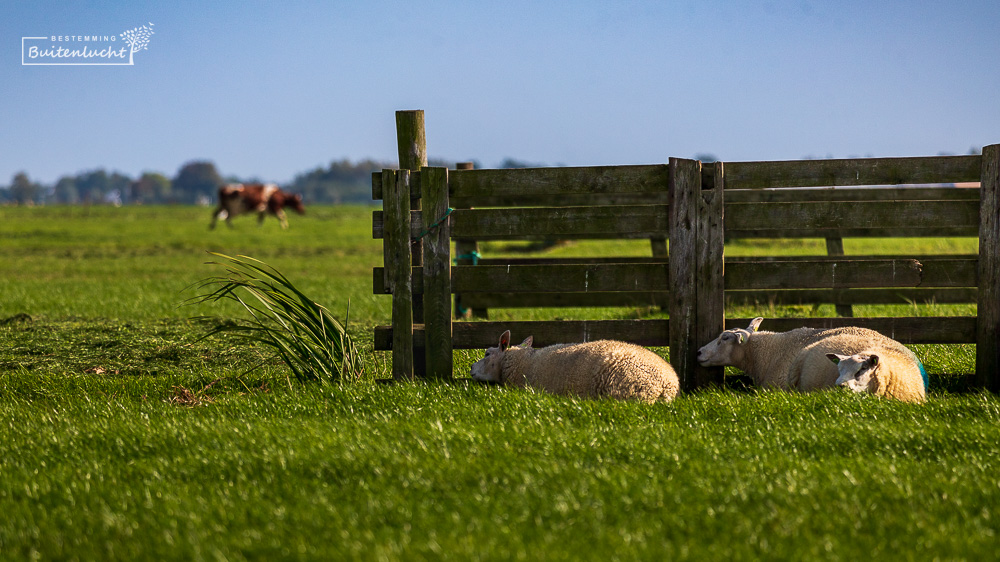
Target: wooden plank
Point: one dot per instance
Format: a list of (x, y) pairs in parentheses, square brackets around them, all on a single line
[(899, 295), (411, 145), (855, 232), (742, 220), (867, 194), (848, 272), (398, 275), (584, 278), (827, 258), (528, 183), (659, 247), (565, 186), (571, 261), (913, 330), (660, 251), (411, 139), (377, 189), (988, 309), (886, 216), (685, 188), (566, 300), (566, 200), (548, 279), (950, 272), (709, 263), (561, 278), (823, 275), (643, 221), (748, 192), (835, 247), (851, 172), (437, 273), (480, 335), (935, 271)]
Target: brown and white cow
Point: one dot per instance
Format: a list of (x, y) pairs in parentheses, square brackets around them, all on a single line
[(261, 198)]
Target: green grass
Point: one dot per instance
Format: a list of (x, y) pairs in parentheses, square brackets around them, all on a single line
[(123, 436)]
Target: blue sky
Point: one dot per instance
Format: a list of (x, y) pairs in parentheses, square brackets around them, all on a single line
[(271, 89)]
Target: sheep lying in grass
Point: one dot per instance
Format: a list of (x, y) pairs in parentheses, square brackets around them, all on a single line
[(812, 370), (764, 356), (882, 371), (597, 369), (793, 360)]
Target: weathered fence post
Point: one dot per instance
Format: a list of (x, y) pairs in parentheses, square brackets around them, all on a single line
[(467, 253), (398, 271), (411, 144), (835, 247), (659, 248), (684, 191), (437, 271), (988, 309), (710, 318)]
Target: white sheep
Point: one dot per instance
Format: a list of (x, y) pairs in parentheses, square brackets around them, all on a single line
[(882, 371), (764, 356), (603, 368), (812, 370)]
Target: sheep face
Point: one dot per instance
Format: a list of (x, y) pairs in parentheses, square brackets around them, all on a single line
[(489, 368), (725, 349), (857, 372)]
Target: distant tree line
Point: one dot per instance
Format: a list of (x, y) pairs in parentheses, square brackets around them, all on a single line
[(196, 182)]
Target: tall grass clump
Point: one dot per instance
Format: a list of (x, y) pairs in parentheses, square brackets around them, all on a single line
[(303, 333)]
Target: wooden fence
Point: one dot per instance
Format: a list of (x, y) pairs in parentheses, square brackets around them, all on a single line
[(697, 208)]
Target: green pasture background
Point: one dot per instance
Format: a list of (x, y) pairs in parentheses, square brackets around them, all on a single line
[(123, 436)]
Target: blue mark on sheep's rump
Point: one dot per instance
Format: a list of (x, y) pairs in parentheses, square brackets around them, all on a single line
[(923, 375)]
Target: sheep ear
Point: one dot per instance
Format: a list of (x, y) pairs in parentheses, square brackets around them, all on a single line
[(754, 324), (504, 341), (741, 338), (527, 341), (872, 361), (835, 358)]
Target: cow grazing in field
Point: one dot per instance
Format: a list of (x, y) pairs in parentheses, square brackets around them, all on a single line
[(260, 198)]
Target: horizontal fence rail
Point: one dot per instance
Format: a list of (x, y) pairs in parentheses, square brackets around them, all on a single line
[(655, 333), (852, 172), (643, 221), (541, 186), (823, 219), (854, 194), (508, 187), (792, 219), (741, 274)]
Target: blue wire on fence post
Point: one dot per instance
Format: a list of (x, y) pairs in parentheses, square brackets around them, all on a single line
[(473, 255), (435, 225)]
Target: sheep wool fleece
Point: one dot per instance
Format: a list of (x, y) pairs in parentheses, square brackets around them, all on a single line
[(603, 368), (767, 356), (811, 370), (897, 375)]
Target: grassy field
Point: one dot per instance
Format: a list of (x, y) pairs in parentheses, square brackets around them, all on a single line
[(122, 436)]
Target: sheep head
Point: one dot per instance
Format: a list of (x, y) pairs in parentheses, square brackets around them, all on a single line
[(857, 372), (727, 348), (489, 368)]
